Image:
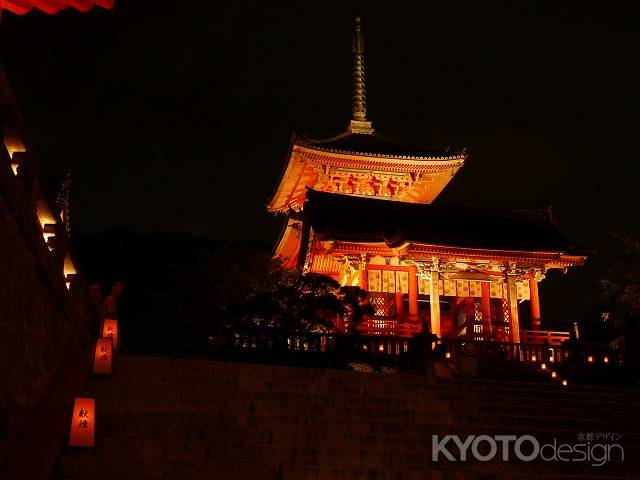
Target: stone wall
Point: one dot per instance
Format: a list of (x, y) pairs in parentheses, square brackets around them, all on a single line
[(42, 317)]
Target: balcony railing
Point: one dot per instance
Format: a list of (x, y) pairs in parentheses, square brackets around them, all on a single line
[(293, 347), (543, 337), (380, 326), (535, 354)]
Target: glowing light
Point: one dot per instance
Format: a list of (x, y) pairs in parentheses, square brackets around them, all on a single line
[(82, 423), (551, 359), (14, 146), (381, 348), (44, 215), (69, 268), (103, 356), (554, 374), (605, 359), (534, 358), (48, 232), (110, 330), (564, 382), (590, 359), (543, 366), (14, 167), (447, 355)]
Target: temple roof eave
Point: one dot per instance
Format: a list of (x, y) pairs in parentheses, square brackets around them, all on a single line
[(417, 251), (350, 219), (373, 153), (366, 158), (305, 162)]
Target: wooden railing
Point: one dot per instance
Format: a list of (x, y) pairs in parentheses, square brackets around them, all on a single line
[(617, 343), (538, 354), (294, 347), (272, 340), (385, 345), (543, 337), (380, 326)]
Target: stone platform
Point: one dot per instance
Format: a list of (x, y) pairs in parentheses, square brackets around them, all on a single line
[(159, 418)]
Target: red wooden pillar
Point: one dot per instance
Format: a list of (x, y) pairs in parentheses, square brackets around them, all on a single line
[(364, 280), (413, 293), (512, 293), (485, 306), (534, 302), (434, 304), (399, 305)]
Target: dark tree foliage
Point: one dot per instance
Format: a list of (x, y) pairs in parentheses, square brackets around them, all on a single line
[(309, 303), (180, 290), (619, 288), (177, 285)]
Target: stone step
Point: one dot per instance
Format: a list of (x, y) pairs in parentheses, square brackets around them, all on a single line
[(559, 400), (436, 415), (264, 372), (127, 424), (403, 440), (334, 434), (270, 460), (99, 468), (333, 473), (366, 413), (353, 455), (141, 363), (131, 390), (186, 419), (91, 467), (272, 401), (558, 392)]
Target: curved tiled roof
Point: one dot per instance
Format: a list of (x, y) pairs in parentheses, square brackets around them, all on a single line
[(373, 144), (53, 6), (358, 219)]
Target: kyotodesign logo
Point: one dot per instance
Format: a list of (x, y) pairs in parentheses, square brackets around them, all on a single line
[(596, 451)]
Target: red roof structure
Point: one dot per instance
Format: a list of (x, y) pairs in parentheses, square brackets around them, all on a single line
[(21, 7)]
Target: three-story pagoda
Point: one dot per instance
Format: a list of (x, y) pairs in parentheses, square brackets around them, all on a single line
[(359, 209)]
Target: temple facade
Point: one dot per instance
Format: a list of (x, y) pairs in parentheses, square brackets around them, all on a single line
[(359, 208)]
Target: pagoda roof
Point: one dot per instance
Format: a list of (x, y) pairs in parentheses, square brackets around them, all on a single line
[(374, 144), (368, 220)]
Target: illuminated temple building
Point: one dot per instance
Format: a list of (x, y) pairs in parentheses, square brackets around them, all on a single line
[(360, 209)]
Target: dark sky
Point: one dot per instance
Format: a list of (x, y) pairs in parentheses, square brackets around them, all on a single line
[(176, 116)]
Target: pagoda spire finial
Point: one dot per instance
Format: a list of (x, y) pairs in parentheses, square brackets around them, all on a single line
[(359, 123)]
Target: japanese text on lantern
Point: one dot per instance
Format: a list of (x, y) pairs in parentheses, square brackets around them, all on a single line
[(103, 356), (82, 423), (110, 330)]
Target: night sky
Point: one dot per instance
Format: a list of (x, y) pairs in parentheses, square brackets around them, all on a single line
[(176, 116)]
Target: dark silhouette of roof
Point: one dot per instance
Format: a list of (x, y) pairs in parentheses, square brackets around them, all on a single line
[(372, 143), (361, 219)]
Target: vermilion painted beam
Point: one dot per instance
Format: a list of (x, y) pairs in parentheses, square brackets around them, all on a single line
[(108, 4), (390, 268), (81, 5), (48, 6), (19, 7)]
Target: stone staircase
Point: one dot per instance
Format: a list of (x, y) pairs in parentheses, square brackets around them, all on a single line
[(159, 418)]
